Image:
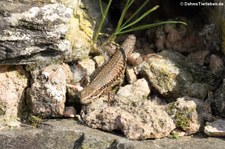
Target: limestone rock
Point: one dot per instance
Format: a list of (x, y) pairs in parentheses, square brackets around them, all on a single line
[(133, 93), (148, 121), (78, 71), (138, 122), (88, 65), (168, 73), (189, 113), (131, 113), (47, 94), (34, 33), (99, 60), (216, 128), (130, 75), (13, 83), (80, 27)]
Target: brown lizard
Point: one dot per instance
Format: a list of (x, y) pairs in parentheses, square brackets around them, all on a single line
[(110, 73)]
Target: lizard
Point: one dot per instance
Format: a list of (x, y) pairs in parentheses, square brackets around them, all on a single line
[(110, 74)]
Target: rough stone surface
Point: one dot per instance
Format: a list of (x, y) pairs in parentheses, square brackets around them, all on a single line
[(136, 122), (198, 57), (130, 75), (216, 128), (131, 113), (133, 93), (47, 94), (134, 59), (168, 73), (43, 33), (80, 27), (189, 113), (88, 65), (13, 83), (70, 111), (216, 65), (33, 33), (60, 134), (218, 100), (223, 35), (78, 72), (178, 38), (99, 60), (160, 38)]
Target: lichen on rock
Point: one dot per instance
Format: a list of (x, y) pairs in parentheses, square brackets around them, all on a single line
[(189, 113), (170, 75)]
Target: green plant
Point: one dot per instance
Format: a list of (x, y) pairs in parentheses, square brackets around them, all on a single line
[(34, 120), (128, 25)]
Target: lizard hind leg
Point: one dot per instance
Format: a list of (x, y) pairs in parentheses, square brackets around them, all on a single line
[(109, 92)]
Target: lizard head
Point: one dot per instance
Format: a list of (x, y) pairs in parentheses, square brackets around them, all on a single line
[(129, 44), (87, 95)]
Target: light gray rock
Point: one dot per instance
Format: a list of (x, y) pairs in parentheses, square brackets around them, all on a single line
[(130, 75), (215, 128), (88, 65), (131, 113), (47, 94), (99, 60), (146, 121), (189, 113), (43, 33), (34, 34), (133, 93), (137, 122), (168, 73)]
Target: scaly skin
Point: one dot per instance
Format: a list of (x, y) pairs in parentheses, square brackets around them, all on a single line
[(110, 74)]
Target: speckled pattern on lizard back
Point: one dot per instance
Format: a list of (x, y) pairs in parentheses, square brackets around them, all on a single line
[(110, 74)]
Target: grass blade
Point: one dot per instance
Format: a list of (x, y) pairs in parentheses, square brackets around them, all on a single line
[(141, 17), (102, 20), (135, 13), (101, 8), (151, 25), (127, 6)]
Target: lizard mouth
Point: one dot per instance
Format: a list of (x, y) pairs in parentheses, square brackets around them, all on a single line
[(86, 101)]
